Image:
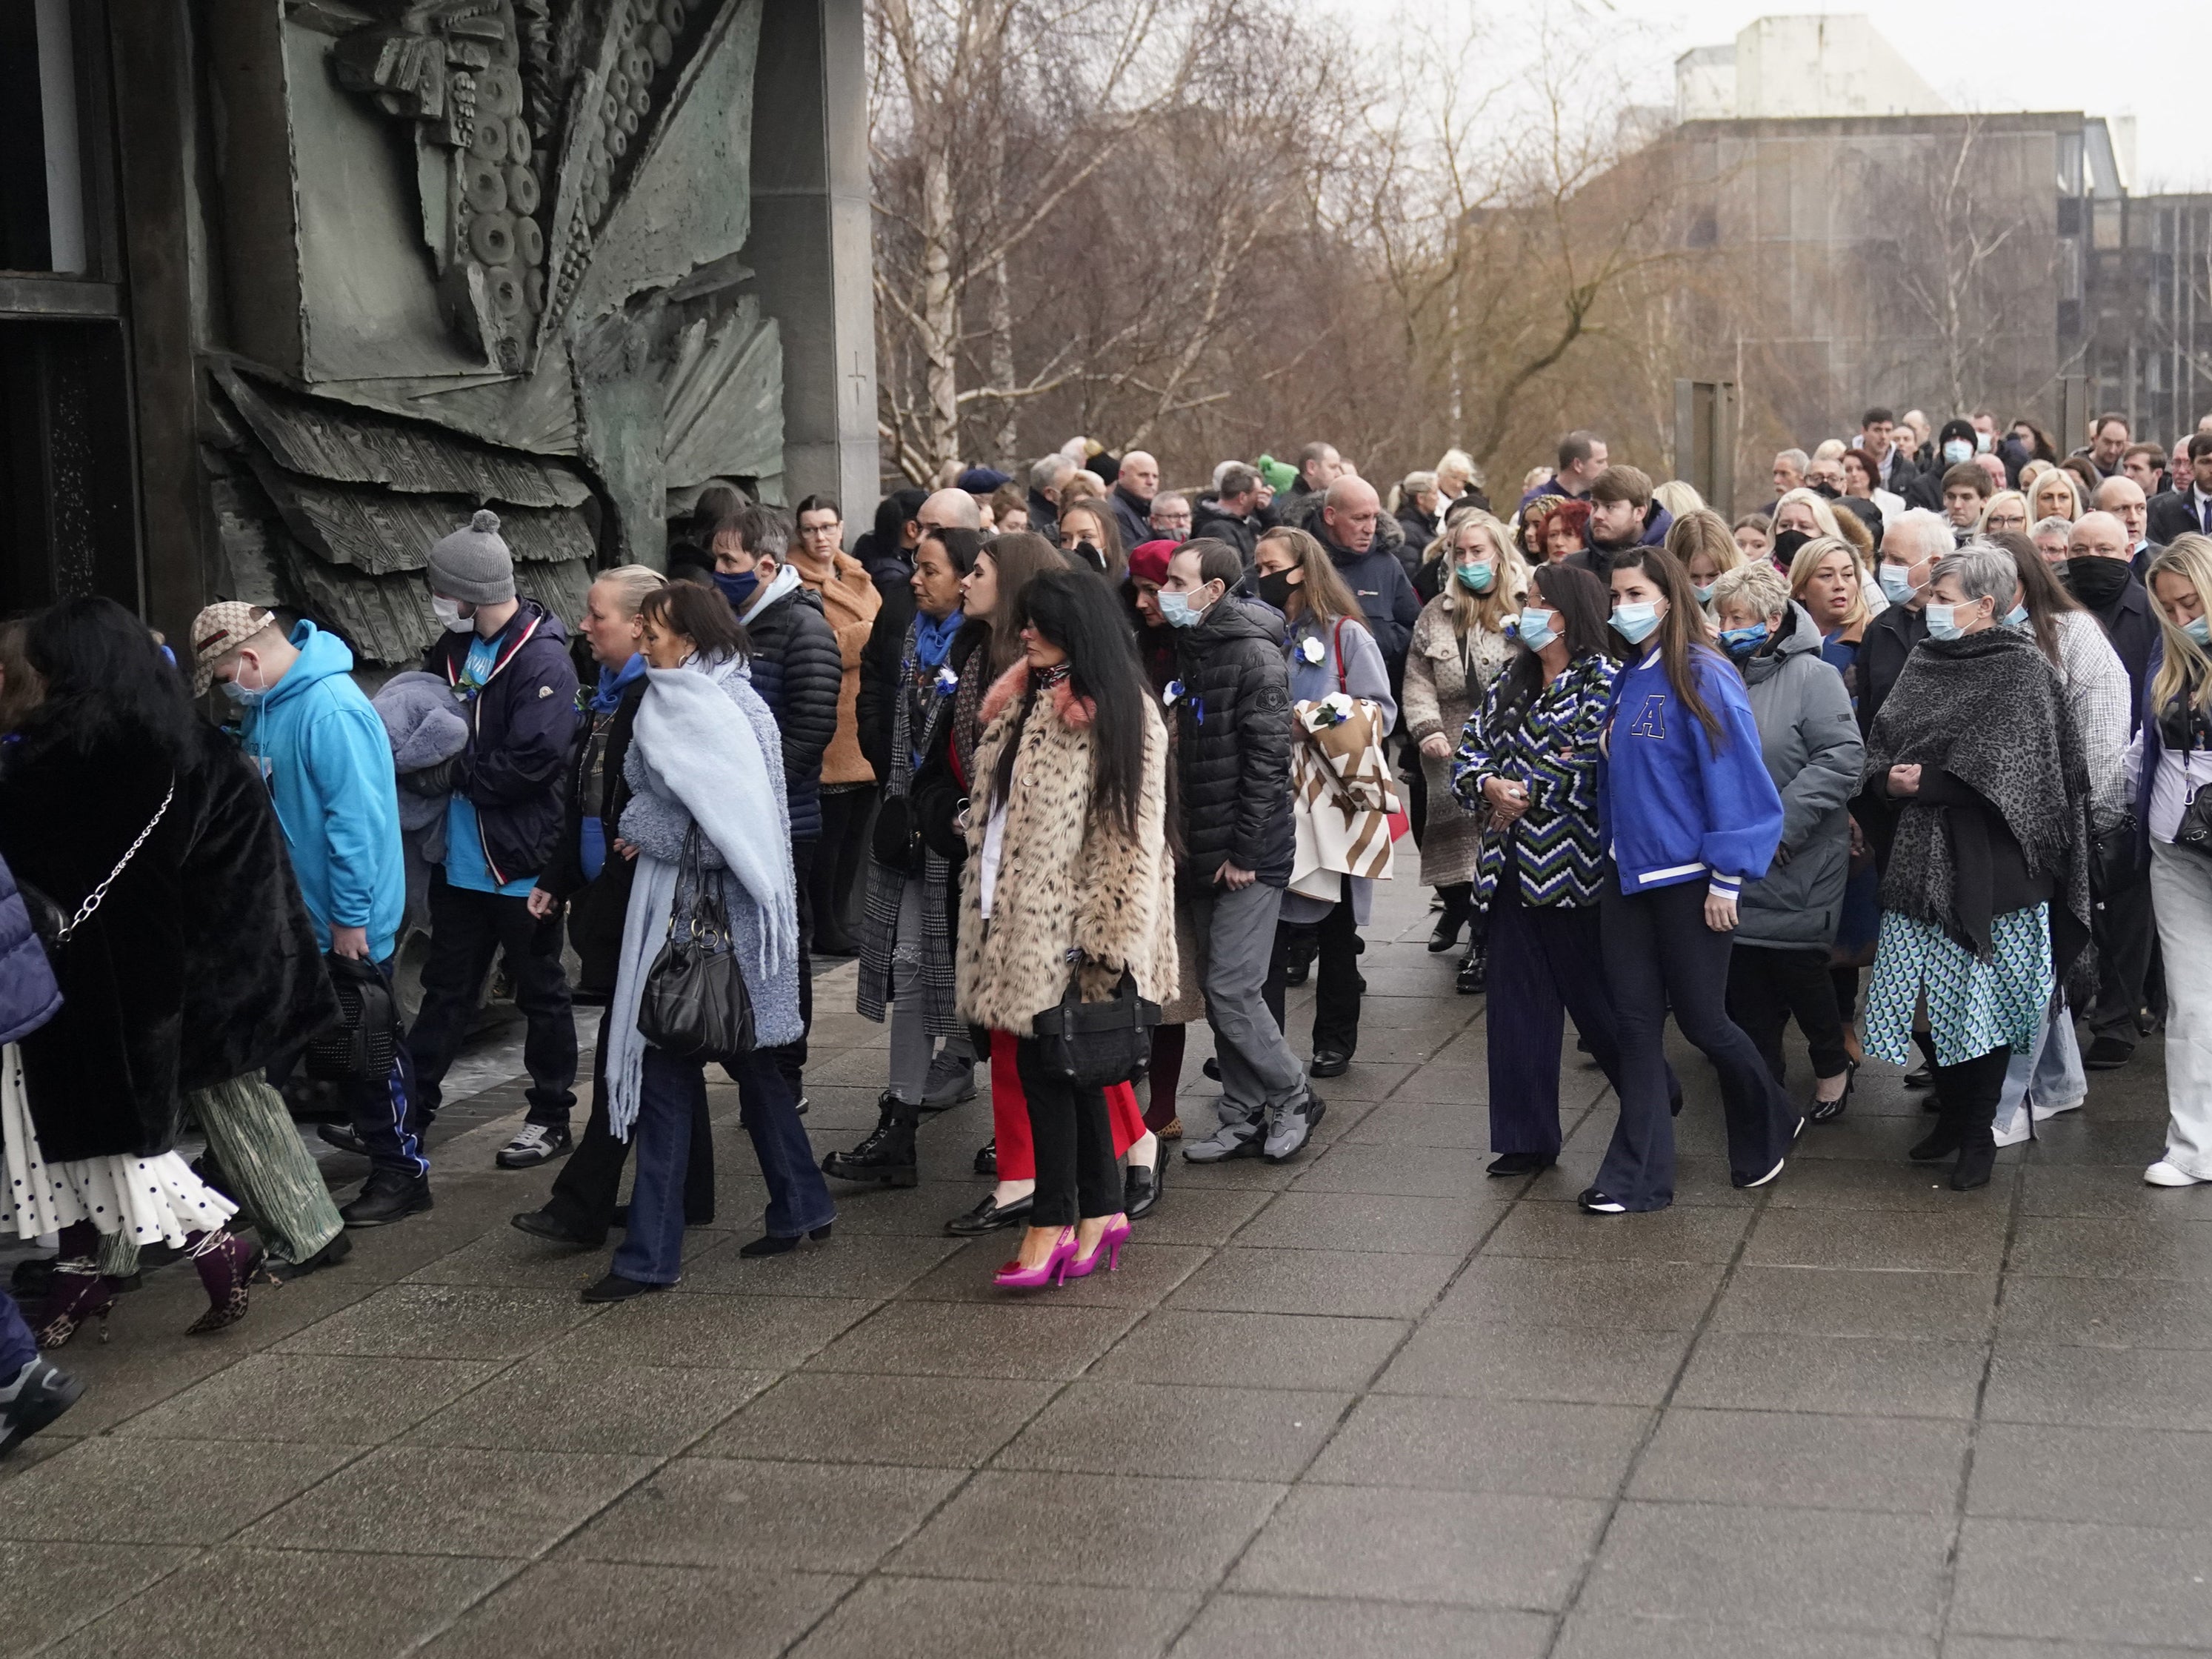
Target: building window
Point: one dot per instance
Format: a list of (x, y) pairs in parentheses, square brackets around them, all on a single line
[(41, 176)]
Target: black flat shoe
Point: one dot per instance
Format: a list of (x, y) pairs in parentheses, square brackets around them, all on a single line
[(1473, 976), (1140, 1188), (1211, 1068), (543, 1223), (1519, 1163), (1827, 1111), (614, 1288), (987, 1158), (1923, 1079), (988, 1218), (775, 1244), (1328, 1062)]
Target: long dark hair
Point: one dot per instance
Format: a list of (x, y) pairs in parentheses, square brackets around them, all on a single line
[(1580, 600), (1021, 557), (1075, 609), (2040, 591), (1682, 632), (105, 678)]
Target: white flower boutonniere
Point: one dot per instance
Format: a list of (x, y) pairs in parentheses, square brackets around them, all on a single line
[(946, 682), (1312, 649), (1173, 694), (1332, 710)]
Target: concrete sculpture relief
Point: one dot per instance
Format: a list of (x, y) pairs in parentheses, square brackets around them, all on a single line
[(507, 274)]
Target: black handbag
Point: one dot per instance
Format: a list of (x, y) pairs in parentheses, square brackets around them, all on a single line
[(2112, 866), (2195, 829), (695, 1004), (362, 1046), (1095, 1045)]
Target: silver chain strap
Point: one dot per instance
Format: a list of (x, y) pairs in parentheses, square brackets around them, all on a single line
[(92, 900)]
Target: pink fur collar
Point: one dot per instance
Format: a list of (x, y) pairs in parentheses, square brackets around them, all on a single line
[(1073, 711)]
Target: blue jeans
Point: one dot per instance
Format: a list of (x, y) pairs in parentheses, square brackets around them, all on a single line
[(2050, 1070), (18, 1347), (671, 1091)]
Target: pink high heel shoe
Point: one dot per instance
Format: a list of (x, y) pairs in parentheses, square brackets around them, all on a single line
[(1109, 1246), (1015, 1276)]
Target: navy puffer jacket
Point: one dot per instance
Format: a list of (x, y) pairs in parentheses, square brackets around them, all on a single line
[(797, 671), (28, 996)]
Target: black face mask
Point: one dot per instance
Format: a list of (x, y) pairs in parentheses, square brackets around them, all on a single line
[(1786, 545), (2096, 582), (1274, 588)]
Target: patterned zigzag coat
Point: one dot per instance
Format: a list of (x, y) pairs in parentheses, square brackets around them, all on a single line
[(1557, 849), (1066, 882)]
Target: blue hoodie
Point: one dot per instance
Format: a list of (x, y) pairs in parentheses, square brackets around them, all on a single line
[(1674, 809), (324, 753)]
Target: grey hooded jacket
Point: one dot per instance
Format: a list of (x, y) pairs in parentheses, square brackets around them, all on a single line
[(1810, 741)]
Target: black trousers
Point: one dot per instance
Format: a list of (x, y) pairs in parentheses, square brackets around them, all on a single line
[(1336, 976), (790, 1057), (468, 928), (2125, 928), (1768, 984), (1077, 1178), (837, 858), (589, 1185), (1658, 953), (1545, 964)]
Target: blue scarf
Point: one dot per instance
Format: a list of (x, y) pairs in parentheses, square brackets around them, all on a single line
[(932, 639), (613, 683)]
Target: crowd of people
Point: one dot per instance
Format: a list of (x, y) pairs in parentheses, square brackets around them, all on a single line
[(1071, 761)]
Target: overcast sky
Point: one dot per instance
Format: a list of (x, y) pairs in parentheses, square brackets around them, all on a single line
[(2113, 59)]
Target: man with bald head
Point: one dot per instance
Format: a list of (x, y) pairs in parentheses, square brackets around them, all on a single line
[(949, 509), (2099, 572), (1134, 486), (2123, 497), (1346, 529)]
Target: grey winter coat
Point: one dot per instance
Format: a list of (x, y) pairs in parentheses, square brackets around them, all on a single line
[(1811, 743)]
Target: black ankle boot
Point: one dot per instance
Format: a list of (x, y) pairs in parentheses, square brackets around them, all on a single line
[(1977, 1162), (886, 1156), (1941, 1141)]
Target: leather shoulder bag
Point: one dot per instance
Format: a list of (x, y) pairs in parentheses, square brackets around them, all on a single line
[(696, 1005)]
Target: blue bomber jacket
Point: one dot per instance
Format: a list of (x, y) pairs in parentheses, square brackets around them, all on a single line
[(1677, 806)]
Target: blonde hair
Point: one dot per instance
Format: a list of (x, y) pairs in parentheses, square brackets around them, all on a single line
[(2073, 513), (1509, 577), (1700, 530), (2031, 471), (1677, 497), (2011, 496), (1855, 533), (1082, 485), (1326, 598), (1808, 560), (631, 583), (2187, 671), (1828, 449), (1824, 515), (1459, 461)]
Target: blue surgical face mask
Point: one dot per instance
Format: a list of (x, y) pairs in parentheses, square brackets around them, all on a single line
[(1958, 450), (1940, 623), (2016, 617), (1634, 623), (1705, 594), (1982, 441), (451, 617), (1896, 583), (1475, 578), (1535, 628), (1742, 642), (1175, 611), (2199, 629), (244, 695)]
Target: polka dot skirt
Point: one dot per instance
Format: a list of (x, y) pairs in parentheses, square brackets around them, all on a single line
[(151, 1199)]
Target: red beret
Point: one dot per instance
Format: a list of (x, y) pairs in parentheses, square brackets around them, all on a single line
[(1148, 563)]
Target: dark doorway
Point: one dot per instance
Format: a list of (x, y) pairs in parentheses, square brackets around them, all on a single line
[(67, 472)]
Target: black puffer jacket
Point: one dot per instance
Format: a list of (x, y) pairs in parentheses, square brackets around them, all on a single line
[(797, 671), (1233, 744), (522, 729), (597, 907), (1207, 520)]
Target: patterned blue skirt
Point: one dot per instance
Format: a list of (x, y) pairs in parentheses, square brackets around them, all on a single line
[(1972, 1006)]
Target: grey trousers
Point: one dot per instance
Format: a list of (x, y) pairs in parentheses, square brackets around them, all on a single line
[(911, 1044), (1259, 1073)]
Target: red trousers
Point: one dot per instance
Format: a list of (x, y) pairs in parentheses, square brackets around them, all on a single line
[(1010, 1113)]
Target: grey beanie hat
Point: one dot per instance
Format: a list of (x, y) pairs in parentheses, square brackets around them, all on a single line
[(472, 564)]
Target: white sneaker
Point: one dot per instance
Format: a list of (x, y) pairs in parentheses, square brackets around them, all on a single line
[(2016, 1135), (2162, 1174), (2043, 1114)]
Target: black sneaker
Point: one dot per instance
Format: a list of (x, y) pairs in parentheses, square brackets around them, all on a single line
[(388, 1196), (543, 1223), (538, 1143), (2108, 1054), (342, 1136), (1595, 1202), (33, 1399)]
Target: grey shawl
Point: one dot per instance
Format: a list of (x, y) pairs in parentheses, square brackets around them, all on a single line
[(705, 750)]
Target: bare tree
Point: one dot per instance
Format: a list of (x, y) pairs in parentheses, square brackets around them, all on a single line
[(1956, 259)]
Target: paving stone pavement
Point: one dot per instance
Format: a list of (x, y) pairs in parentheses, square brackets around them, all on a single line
[(1369, 1402)]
